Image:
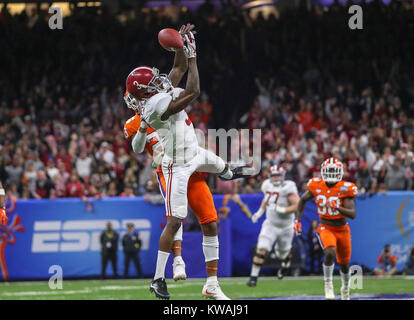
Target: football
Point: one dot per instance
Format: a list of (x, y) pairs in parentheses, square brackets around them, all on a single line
[(170, 39)]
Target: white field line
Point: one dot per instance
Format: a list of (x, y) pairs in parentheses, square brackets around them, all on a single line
[(186, 283)]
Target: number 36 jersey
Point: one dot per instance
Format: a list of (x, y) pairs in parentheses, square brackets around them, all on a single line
[(337, 193), (278, 196)]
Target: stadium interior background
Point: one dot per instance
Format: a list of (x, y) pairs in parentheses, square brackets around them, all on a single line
[(314, 91)]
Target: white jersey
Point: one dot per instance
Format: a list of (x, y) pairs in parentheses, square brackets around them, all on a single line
[(177, 132), (278, 196)]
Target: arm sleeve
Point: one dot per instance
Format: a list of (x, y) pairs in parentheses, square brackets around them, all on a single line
[(138, 143), (311, 186)]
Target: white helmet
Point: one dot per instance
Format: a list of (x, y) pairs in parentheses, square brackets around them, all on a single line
[(277, 175), (332, 170)]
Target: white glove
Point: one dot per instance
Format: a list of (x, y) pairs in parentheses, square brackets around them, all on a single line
[(257, 215), (189, 45), (280, 209)]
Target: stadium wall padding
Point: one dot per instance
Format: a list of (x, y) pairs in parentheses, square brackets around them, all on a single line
[(43, 233)]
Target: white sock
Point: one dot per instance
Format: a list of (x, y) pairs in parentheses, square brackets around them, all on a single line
[(345, 279), (212, 280), (161, 263), (328, 273), (255, 271), (210, 248)]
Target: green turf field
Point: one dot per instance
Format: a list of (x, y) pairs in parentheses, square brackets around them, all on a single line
[(190, 289)]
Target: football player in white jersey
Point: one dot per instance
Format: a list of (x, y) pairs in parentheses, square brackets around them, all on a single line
[(280, 203), (162, 107)]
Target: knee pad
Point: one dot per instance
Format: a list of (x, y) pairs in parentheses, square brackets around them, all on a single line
[(210, 248), (179, 234), (260, 256)]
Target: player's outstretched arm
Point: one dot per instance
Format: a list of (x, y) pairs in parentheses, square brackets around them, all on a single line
[(179, 68), (348, 209), (192, 89), (307, 195), (139, 140), (256, 216)]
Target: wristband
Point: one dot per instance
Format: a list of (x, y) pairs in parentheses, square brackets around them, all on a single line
[(2, 192)]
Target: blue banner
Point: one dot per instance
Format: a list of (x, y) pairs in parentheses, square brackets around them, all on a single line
[(42, 233), (380, 220)]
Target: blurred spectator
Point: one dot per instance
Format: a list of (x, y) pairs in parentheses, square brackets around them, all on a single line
[(112, 190), (387, 262), (74, 187), (395, 179), (363, 178), (83, 164), (128, 192), (51, 169), (152, 194), (43, 186), (14, 171)]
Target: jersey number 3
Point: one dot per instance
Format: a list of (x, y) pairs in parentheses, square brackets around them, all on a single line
[(321, 201)]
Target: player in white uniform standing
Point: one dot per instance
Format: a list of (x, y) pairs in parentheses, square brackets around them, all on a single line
[(161, 106), (280, 203)]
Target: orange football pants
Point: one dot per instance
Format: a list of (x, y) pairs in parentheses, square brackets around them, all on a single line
[(199, 196), (338, 237)]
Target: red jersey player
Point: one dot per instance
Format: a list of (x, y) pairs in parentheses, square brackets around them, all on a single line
[(335, 202)]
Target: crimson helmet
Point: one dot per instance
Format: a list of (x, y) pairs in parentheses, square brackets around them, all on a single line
[(277, 175), (332, 170), (143, 82)]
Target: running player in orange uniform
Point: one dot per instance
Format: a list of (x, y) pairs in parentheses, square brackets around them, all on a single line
[(335, 202)]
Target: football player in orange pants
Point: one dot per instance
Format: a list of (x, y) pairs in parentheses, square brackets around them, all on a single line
[(335, 202)]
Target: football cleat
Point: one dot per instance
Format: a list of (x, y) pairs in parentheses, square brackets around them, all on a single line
[(159, 287), (252, 282), (345, 294), (282, 272), (329, 291), (240, 172), (213, 292), (179, 270)]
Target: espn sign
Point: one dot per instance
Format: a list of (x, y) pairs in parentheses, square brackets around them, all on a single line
[(82, 235)]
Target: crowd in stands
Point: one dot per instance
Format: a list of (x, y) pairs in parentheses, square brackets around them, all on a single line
[(314, 87)]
